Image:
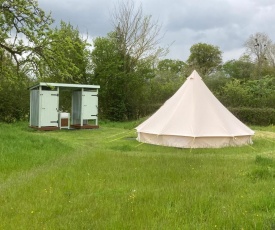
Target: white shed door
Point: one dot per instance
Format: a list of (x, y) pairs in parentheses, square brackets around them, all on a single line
[(49, 108), (89, 103)]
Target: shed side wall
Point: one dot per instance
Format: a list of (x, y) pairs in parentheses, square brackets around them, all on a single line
[(34, 113)]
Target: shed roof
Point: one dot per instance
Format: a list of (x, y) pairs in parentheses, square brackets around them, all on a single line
[(64, 85)]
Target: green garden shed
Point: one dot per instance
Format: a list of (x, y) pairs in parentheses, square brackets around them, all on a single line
[(46, 111)]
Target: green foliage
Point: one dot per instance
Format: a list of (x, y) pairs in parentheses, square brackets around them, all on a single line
[(39, 52), (174, 66), (252, 101), (239, 69), (107, 73), (267, 70), (14, 101), (24, 32), (123, 61), (67, 57), (255, 116), (263, 91), (8, 70), (216, 82), (205, 58), (170, 75), (234, 94), (14, 96), (124, 92), (250, 93)]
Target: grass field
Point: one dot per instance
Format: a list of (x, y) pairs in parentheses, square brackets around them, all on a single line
[(105, 179)]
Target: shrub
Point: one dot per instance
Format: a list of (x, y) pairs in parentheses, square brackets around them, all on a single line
[(255, 116), (235, 94), (14, 101)]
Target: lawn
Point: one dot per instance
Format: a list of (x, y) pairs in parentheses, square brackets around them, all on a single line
[(105, 179)]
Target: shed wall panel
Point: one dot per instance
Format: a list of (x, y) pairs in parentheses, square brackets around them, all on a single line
[(76, 107), (34, 113), (49, 108), (90, 102)]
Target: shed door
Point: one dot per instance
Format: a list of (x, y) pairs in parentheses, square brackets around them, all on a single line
[(49, 108), (89, 103)]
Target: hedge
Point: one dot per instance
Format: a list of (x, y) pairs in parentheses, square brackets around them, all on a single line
[(248, 115), (255, 116)]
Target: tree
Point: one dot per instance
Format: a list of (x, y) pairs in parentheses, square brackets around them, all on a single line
[(205, 58), (259, 47), (14, 98), (174, 66), (169, 76), (66, 58), (7, 68), (242, 68), (123, 61), (138, 36), (24, 28), (106, 68), (122, 95), (271, 55)]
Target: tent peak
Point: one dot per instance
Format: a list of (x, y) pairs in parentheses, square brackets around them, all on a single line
[(194, 75)]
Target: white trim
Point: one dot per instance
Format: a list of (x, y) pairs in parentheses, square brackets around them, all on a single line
[(65, 85)]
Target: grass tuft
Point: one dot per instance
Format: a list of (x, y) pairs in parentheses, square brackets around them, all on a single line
[(264, 169), (264, 161)]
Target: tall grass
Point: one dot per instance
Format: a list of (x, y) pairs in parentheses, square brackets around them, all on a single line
[(104, 179), (21, 149)]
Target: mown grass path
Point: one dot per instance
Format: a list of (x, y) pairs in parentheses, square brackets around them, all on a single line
[(105, 179)]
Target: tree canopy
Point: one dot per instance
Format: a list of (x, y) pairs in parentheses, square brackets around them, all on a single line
[(262, 50), (205, 58), (66, 57), (242, 68), (122, 62), (24, 31)]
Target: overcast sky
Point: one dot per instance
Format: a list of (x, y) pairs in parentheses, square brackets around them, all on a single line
[(223, 23)]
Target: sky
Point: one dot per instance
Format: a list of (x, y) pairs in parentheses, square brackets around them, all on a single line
[(223, 23)]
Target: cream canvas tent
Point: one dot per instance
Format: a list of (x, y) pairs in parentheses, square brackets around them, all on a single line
[(194, 118)]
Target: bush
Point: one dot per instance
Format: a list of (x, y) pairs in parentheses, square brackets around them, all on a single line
[(255, 116), (235, 94), (14, 101), (245, 93)]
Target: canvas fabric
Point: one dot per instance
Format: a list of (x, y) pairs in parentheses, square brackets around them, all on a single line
[(194, 113), (193, 142)]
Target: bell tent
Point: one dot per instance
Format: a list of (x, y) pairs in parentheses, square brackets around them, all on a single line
[(194, 118)]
